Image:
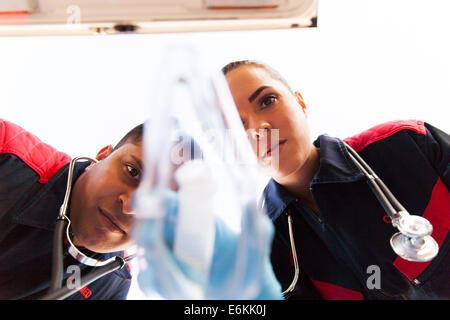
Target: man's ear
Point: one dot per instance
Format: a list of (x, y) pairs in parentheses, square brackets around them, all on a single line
[(300, 100), (104, 152)]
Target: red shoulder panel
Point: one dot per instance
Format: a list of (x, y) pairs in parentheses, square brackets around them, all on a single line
[(382, 131), (438, 213), (39, 156)]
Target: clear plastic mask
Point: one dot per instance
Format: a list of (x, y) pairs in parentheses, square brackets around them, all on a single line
[(200, 231)]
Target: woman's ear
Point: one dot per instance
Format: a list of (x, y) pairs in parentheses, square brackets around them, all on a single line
[(300, 100), (104, 152)]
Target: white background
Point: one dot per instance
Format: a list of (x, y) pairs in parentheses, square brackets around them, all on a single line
[(368, 61)]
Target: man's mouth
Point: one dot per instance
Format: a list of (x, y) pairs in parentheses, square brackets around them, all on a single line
[(110, 222), (275, 148)]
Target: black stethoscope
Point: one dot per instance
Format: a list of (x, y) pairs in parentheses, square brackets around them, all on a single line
[(413, 242), (56, 290)]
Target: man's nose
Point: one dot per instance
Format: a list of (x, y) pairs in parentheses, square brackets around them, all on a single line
[(126, 200)]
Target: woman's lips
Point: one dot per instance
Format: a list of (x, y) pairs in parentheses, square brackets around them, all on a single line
[(108, 222), (276, 148)]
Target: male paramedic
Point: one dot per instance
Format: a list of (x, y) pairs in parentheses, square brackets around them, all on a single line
[(33, 178)]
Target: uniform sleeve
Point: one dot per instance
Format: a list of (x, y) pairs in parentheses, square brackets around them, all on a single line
[(437, 149), (37, 155)]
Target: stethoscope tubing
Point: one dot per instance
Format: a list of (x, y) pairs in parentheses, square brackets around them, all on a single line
[(388, 201), (58, 253), (291, 287), (62, 293)]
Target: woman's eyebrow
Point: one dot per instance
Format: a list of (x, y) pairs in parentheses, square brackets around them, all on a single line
[(256, 93)]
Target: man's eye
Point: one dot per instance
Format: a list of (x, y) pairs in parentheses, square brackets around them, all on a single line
[(133, 172), (268, 100)]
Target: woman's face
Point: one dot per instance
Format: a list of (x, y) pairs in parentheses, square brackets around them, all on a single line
[(274, 119)]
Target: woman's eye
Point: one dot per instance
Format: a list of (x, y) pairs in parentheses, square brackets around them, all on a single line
[(267, 101), (133, 172)]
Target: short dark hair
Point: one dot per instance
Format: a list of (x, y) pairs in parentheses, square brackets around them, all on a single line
[(236, 64), (134, 136)]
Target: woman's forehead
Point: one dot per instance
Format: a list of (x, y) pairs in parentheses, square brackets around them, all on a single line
[(250, 72), (247, 79)]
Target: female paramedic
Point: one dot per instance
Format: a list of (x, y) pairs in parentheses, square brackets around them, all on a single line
[(332, 238)]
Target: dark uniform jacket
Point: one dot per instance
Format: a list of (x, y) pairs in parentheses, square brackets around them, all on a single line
[(343, 250), (33, 179)]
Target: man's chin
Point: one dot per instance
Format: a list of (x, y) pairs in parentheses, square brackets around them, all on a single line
[(92, 244), (101, 248), (101, 241)]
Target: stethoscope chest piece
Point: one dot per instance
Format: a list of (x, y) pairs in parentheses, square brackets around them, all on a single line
[(414, 242)]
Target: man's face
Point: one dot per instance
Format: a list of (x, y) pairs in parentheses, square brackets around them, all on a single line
[(273, 117), (101, 204)]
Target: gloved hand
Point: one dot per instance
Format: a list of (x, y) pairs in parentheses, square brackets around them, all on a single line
[(240, 267)]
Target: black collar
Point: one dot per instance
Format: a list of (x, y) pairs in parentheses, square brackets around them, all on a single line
[(335, 163), (335, 167)]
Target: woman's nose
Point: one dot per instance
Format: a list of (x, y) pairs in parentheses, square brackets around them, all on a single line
[(260, 135), (261, 131)]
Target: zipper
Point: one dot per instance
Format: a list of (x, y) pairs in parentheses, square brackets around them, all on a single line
[(346, 257), (316, 217)]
